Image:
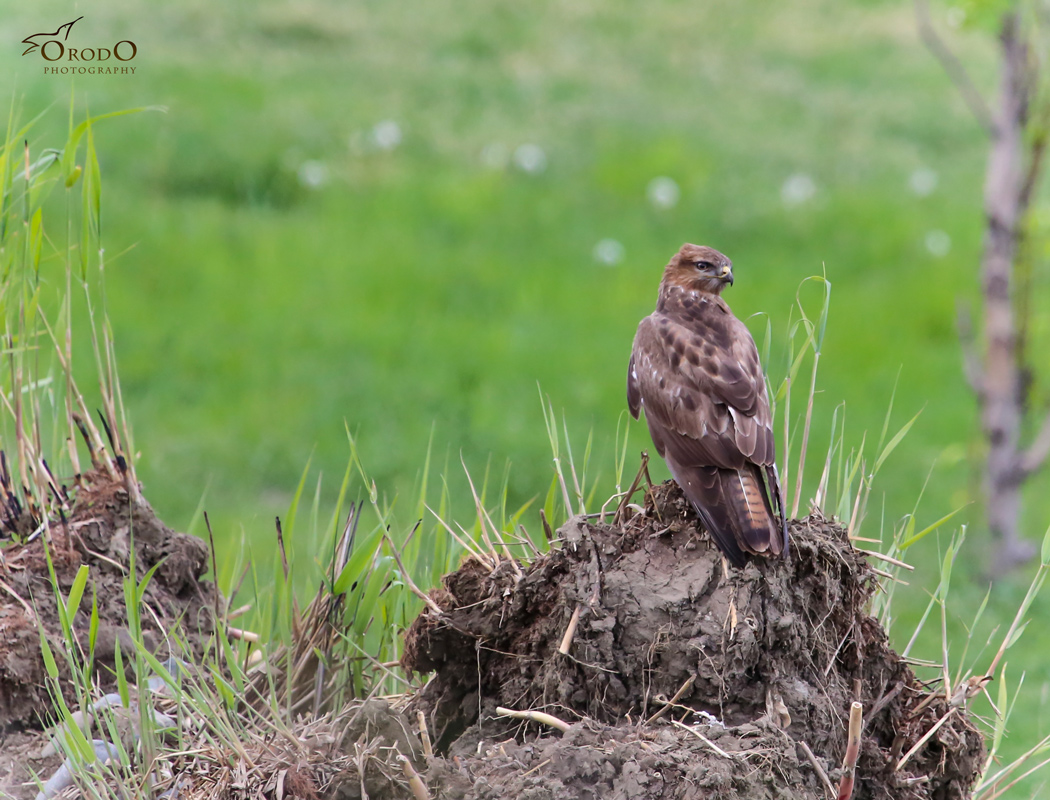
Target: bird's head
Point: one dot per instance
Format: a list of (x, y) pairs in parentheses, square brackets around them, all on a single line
[(697, 268)]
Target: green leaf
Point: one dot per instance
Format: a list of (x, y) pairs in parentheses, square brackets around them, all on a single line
[(1000, 720), (896, 440), (71, 179), (357, 562), (912, 539), (229, 696), (69, 152), (122, 679), (1017, 634), (1044, 553), (289, 519), (946, 575), (140, 592), (93, 623), (49, 658), (93, 186), (158, 667), (233, 663), (374, 584), (76, 591)]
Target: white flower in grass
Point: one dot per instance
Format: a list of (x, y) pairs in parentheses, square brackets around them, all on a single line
[(797, 189), (938, 243), (530, 158), (609, 252), (313, 174), (922, 181), (386, 135), (663, 192)]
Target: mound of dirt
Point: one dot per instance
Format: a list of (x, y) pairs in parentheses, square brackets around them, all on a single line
[(748, 668), (102, 524)]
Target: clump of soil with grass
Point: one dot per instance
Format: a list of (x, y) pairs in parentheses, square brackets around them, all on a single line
[(681, 677), (102, 526), (684, 678)]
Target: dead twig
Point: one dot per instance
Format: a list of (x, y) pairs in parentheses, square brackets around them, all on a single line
[(245, 636), (685, 687), (849, 763), (884, 700), (434, 607), (884, 557), (415, 783), (240, 611), (534, 716), (543, 763), (570, 632), (888, 575), (29, 611), (424, 734), (642, 470), (936, 727), (819, 769), (464, 542), (547, 532), (704, 739)]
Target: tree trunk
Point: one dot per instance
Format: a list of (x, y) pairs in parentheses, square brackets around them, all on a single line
[(1000, 385)]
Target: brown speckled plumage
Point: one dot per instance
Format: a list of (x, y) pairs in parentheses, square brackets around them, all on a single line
[(695, 370)]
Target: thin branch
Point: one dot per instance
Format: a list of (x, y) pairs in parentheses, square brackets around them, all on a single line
[(954, 67)]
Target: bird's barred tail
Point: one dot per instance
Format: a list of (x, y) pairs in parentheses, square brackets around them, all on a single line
[(735, 508)]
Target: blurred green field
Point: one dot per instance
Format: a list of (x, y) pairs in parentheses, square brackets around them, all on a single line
[(279, 267)]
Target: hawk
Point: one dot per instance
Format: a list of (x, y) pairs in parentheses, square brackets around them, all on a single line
[(694, 369)]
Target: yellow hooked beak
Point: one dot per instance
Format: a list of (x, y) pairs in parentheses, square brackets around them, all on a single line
[(727, 274)]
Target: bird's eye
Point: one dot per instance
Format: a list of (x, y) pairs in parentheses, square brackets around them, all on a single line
[(704, 265)]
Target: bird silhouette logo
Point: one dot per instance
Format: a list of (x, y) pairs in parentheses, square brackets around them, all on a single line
[(45, 37)]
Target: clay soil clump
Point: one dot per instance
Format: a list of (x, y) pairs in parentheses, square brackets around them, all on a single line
[(744, 667), (98, 532)]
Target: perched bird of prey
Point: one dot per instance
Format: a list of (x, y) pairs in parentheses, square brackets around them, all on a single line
[(695, 370)]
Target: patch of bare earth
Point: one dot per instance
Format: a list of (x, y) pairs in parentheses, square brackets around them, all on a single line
[(757, 662)]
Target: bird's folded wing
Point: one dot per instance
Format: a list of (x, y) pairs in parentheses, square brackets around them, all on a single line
[(705, 398)]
